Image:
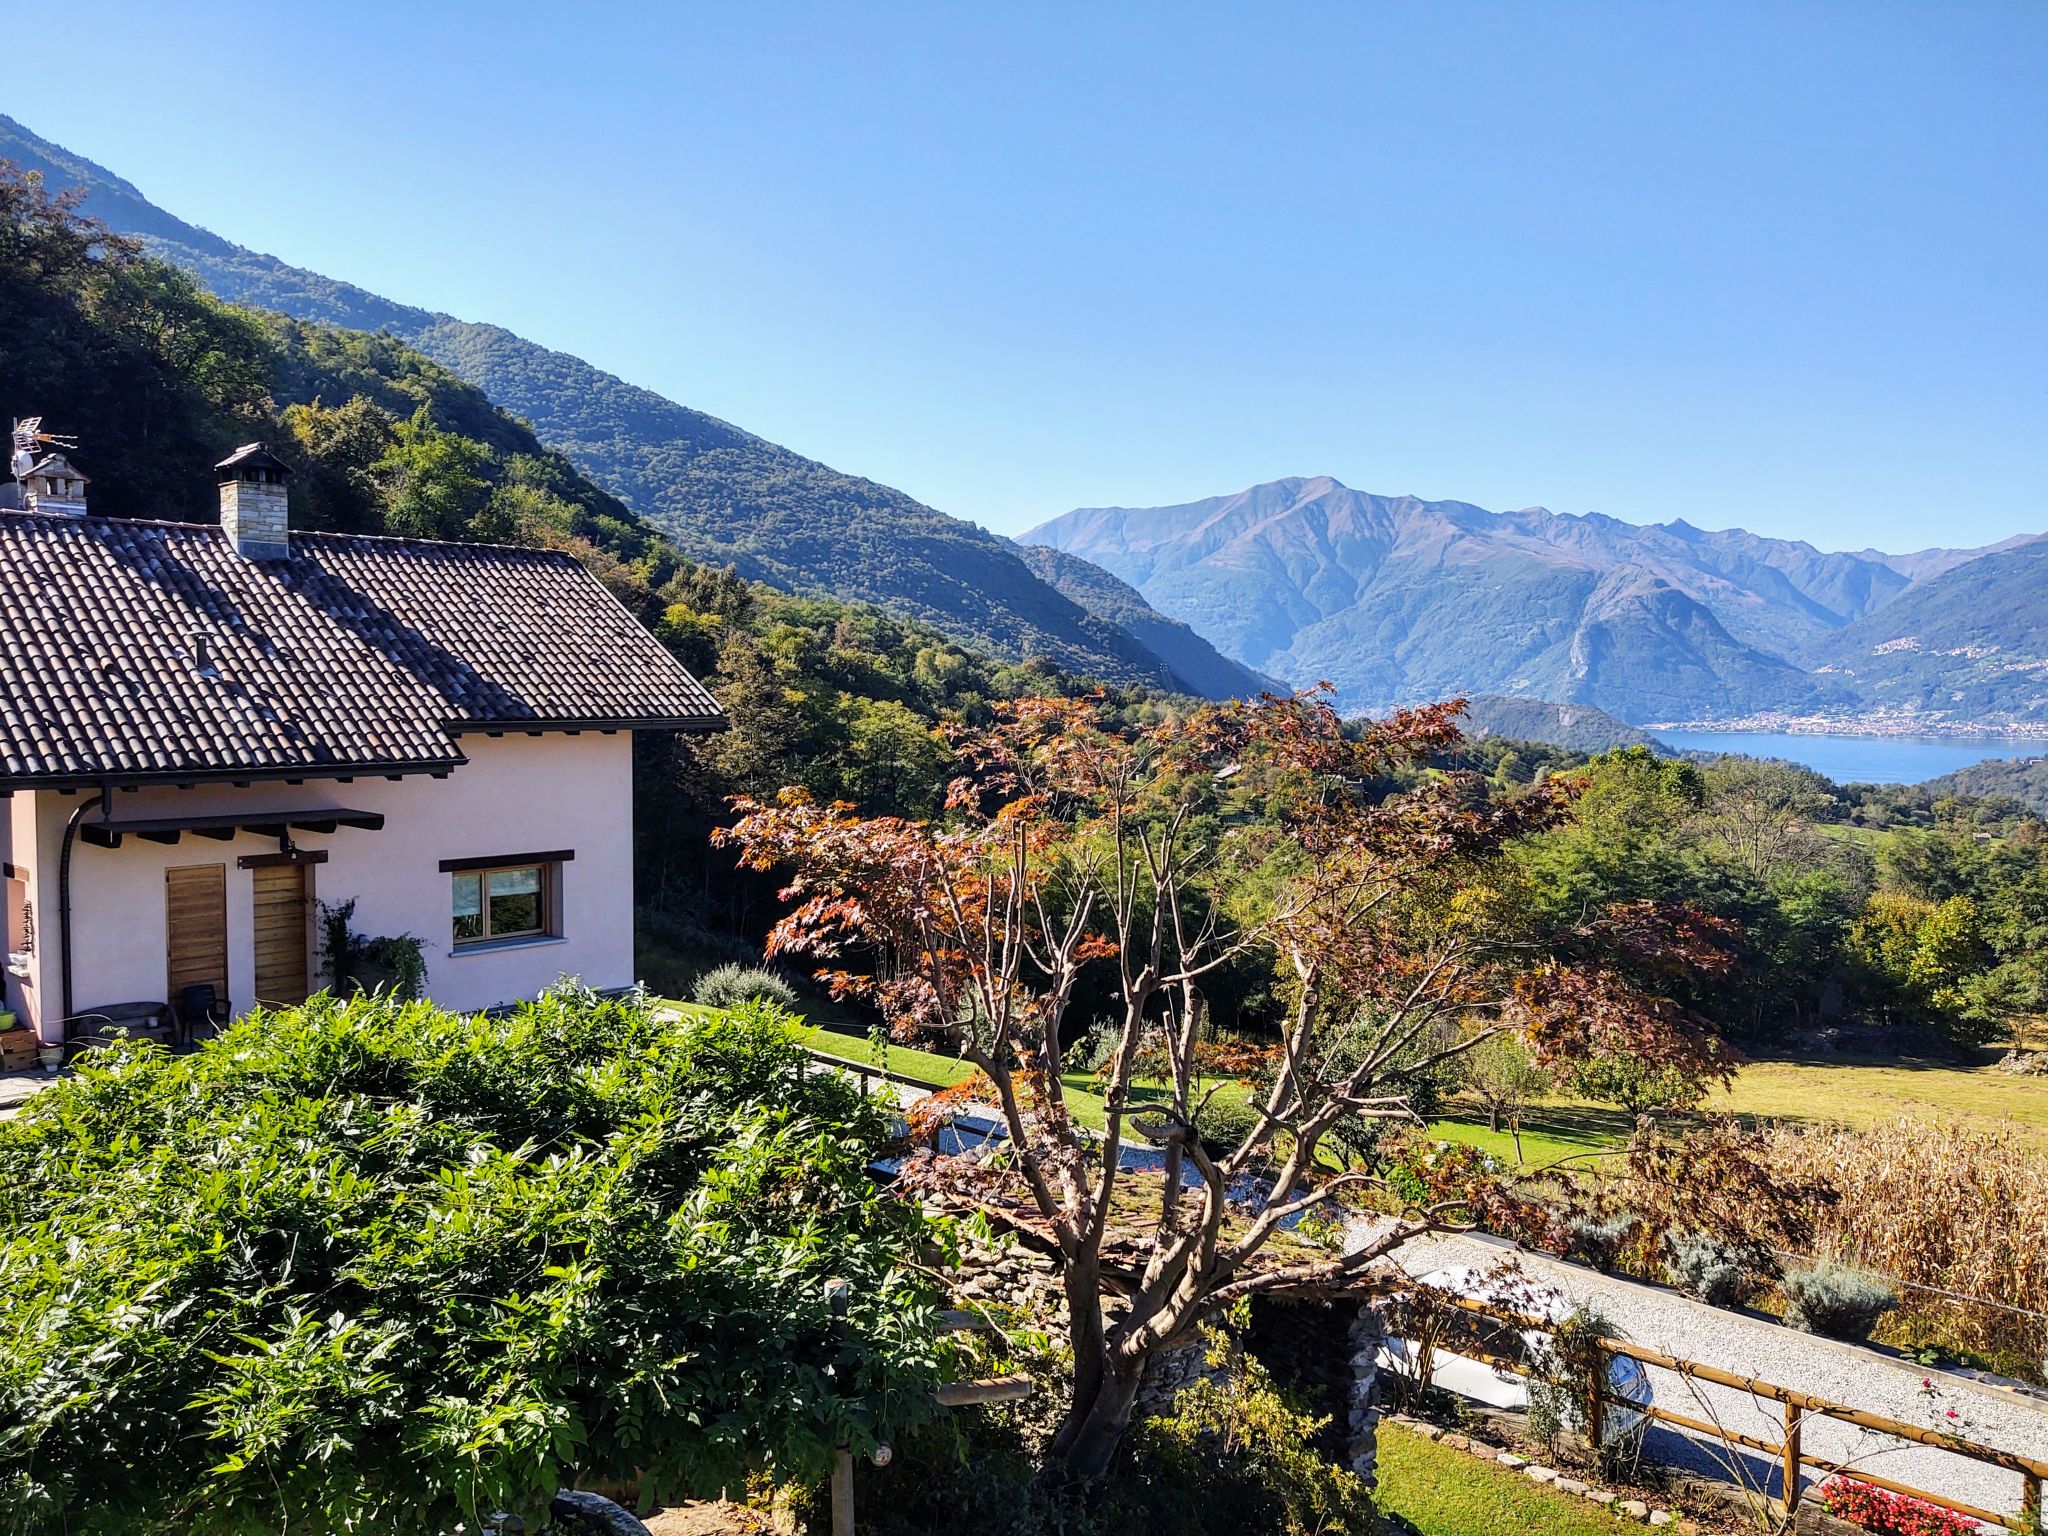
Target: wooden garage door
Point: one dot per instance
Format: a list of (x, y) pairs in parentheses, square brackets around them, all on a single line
[(281, 934), (196, 899)]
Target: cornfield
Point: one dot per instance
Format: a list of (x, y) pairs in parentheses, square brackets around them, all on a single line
[(1933, 1205)]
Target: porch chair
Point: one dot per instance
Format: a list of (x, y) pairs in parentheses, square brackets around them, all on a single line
[(200, 1004)]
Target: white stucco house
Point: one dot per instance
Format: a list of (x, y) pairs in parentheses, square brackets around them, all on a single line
[(205, 729)]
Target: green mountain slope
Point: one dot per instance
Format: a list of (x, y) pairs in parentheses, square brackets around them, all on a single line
[(2024, 779), (1971, 642), (1206, 670), (721, 493), (1577, 726)]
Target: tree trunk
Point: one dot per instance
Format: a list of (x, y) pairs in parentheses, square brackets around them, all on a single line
[(1105, 1389), (1493, 1118), (1095, 1426)]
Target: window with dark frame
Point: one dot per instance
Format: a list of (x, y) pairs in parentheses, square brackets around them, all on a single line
[(510, 901)]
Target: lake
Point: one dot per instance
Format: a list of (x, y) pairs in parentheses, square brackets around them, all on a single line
[(1860, 759)]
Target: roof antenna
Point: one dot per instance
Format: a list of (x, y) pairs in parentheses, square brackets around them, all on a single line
[(28, 436)]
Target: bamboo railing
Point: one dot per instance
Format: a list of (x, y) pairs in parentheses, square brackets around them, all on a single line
[(1789, 1452)]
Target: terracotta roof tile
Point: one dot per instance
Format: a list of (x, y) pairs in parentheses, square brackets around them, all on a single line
[(356, 653)]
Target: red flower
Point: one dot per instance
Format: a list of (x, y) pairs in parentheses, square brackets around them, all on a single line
[(1891, 1514)]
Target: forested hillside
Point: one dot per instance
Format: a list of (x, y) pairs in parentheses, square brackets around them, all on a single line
[(1972, 641), (1205, 669), (2022, 779), (722, 494), (1577, 726), (157, 380)]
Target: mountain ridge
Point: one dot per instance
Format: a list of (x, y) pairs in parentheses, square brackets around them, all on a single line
[(1396, 598), (721, 493)]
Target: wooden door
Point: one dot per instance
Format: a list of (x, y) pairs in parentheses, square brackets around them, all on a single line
[(196, 903), (282, 934)]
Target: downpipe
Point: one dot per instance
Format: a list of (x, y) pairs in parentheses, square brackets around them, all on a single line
[(105, 803)]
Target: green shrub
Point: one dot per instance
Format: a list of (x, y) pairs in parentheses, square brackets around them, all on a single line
[(1597, 1240), (1223, 1124), (1240, 1454), (1837, 1300), (734, 986), (1229, 1460), (1709, 1269), (374, 1266)]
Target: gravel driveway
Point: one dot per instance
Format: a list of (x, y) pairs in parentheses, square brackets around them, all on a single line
[(1748, 1346)]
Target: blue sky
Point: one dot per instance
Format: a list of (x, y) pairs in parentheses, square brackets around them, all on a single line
[(1777, 265)]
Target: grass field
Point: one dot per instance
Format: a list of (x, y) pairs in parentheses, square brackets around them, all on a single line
[(1443, 1492), (1864, 1093), (1858, 1094), (1850, 1092)]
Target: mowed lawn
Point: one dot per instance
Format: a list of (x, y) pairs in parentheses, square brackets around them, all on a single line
[(1851, 1092), (1865, 1093), (1443, 1492)]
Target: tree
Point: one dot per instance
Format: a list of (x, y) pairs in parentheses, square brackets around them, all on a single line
[(1073, 848), (1503, 1074), (1639, 1084), (1925, 957), (436, 482), (378, 1267), (2012, 995), (1765, 811)]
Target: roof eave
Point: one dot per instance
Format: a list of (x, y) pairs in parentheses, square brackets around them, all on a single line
[(690, 724), (130, 779)]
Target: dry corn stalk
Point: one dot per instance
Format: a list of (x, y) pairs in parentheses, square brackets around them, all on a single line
[(1963, 1210)]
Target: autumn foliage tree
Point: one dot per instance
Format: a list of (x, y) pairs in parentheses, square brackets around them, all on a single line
[(1072, 851)]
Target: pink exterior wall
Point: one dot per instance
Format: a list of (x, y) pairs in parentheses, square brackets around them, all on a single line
[(22, 994), (518, 794)]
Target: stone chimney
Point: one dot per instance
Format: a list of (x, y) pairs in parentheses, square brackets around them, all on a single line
[(253, 506), (44, 479)]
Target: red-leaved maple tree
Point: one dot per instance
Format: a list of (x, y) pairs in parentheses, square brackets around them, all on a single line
[(1075, 850)]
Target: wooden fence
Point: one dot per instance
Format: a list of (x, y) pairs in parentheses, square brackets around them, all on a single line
[(1788, 1453)]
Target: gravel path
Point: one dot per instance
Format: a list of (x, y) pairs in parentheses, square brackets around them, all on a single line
[(1666, 1321)]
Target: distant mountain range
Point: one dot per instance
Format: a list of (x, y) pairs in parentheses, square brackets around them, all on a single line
[(1970, 643), (1395, 599), (723, 494)]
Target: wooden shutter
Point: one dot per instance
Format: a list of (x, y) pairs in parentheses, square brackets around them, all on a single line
[(196, 901), (281, 934)]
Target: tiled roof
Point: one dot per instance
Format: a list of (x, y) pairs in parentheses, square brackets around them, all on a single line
[(356, 653)]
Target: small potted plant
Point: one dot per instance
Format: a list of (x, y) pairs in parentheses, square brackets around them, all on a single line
[(393, 963)]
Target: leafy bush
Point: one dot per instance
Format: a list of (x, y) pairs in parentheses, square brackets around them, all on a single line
[(734, 986), (1837, 1300), (370, 1265), (1638, 1085), (1597, 1240), (1227, 1460), (1892, 1514), (1240, 1454), (1224, 1122), (1711, 1269)]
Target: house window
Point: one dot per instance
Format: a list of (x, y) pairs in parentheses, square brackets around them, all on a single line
[(512, 901)]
